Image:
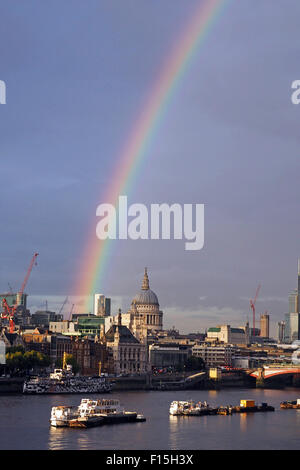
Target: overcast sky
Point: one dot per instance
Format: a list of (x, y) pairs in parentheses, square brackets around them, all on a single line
[(76, 74)]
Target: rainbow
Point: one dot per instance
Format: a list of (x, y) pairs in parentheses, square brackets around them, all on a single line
[(96, 254)]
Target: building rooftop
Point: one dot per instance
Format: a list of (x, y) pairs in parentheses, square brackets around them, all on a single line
[(125, 334)]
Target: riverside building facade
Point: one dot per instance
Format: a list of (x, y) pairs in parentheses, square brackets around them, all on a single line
[(226, 334)]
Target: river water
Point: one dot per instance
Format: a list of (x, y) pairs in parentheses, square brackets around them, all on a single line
[(24, 423)]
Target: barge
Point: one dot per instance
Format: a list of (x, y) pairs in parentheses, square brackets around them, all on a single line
[(190, 408), (249, 406)]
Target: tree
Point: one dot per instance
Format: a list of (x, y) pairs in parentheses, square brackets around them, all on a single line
[(70, 360), (194, 363), (19, 361)]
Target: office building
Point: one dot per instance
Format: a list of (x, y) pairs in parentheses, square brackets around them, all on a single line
[(281, 331), (102, 305), (265, 325), (292, 318)]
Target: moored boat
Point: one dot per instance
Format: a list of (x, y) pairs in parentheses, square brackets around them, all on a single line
[(224, 410), (249, 406), (62, 415), (92, 413), (176, 407), (295, 404), (190, 408), (86, 421), (64, 381)]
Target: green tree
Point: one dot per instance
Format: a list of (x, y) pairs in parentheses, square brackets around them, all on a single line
[(20, 361), (194, 363), (70, 360)]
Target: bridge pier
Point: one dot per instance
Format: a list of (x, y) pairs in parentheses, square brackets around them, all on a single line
[(260, 379), (296, 380), (274, 376)]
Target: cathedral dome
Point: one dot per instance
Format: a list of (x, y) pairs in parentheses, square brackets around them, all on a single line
[(146, 296)]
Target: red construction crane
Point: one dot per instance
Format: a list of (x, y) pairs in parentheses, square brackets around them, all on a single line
[(9, 312), (252, 305), (32, 262)]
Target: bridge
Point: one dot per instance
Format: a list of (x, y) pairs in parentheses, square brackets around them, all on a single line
[(267, 372)]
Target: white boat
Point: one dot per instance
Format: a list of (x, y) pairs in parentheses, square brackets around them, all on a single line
[(189, 408), (61, 415), (104, 406), (92, 413), (176, 407)]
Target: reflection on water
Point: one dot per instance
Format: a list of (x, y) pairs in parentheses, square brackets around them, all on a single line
[(243, 421), (56, 438), (174, 431)]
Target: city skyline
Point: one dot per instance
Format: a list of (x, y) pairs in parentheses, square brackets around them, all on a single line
[(201, 320)]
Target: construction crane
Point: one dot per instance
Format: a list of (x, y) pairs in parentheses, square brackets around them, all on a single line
[(64, 303), (71, 312), (32, 262), (9, 311), (252, 306)]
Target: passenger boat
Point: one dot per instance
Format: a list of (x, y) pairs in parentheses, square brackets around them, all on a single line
[(64, 381), (291, 404), (92, 413)]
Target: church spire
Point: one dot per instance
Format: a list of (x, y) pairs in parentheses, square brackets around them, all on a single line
[(145, 285)]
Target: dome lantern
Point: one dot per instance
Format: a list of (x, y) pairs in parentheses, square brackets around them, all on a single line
[(145, 285)]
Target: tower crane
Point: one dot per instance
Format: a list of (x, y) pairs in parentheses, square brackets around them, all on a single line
[(32, 262), (252, 306), (64, 303), (70, 316), (9, 311)]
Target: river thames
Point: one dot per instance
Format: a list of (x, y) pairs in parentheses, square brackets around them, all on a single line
[(25, 423)]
